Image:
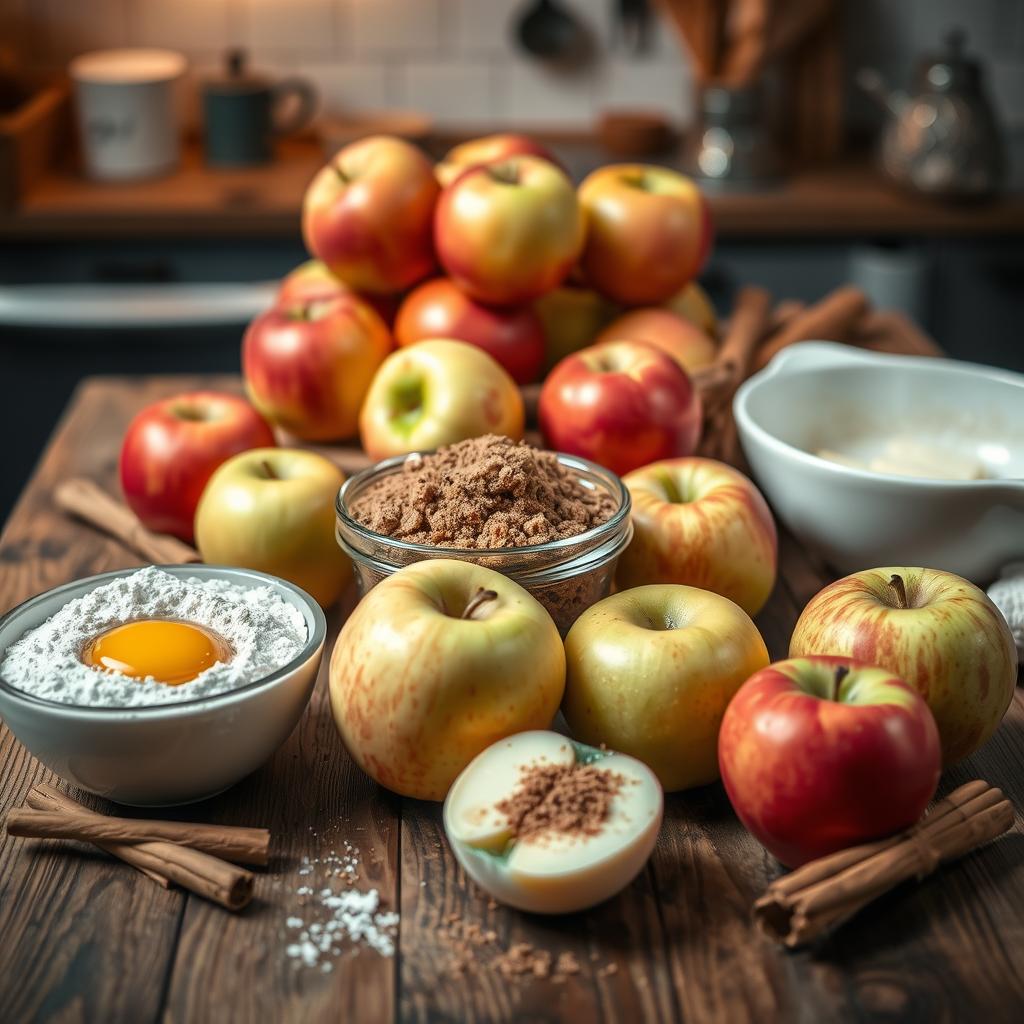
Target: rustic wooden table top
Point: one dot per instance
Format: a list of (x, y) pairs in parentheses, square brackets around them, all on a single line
[(84, 938)]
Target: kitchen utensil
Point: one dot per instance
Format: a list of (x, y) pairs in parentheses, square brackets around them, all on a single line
[(166, 753), (943, 139), (243, 112), (632, 23), (550, 32), (733, 149), (817, 395), (127, 111)]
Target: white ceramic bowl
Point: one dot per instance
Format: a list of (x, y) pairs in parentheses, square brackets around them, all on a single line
[(821, 395), (169, 753)]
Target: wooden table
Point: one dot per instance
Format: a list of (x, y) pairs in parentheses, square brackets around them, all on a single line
[(83, 938)]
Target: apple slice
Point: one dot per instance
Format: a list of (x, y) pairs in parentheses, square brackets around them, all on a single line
[(472, 813), (550, 872)]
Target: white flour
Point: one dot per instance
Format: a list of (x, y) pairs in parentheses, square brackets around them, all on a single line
[(264, 631)]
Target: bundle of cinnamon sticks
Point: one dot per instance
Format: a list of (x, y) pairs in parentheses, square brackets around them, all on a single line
[(805, 904), (196, 857), (758, 331)]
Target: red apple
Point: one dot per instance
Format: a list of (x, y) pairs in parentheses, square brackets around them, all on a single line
[(314, 280), (822, 753), (487, 150), (512, 335), (507, 232), (173, 447), (622, 404), (369, 215), (648, 232), (308, 367), (676, 336)]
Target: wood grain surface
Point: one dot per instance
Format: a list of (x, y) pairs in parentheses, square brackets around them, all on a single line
[(85, 938)]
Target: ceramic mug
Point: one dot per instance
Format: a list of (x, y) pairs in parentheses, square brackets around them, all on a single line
[(243, 113), (126, 106)]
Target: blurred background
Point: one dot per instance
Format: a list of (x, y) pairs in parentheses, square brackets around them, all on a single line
[(149, 201)]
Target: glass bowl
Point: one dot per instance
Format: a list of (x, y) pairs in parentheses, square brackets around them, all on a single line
[(567, 576)]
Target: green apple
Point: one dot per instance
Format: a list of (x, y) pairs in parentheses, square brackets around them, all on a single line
[(272, 509), (933, 629), (572, 318), (434, 393), (438, 662), (650, 671)]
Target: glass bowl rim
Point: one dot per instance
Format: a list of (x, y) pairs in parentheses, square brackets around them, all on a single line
[(577, 462)]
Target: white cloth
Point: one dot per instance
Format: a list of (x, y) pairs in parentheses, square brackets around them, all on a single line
[(1007, 595)]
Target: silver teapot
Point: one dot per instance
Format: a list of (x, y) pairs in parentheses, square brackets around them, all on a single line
[(943, 140)]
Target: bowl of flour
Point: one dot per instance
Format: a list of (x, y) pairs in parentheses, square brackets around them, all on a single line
[(137, 740)]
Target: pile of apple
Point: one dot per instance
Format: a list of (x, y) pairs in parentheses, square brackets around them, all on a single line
[(892, 673), (485, 272)]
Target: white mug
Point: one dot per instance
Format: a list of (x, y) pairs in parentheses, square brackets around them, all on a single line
[(127, 111)]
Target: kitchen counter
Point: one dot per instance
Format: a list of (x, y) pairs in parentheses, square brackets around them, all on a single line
[(83, 935), (843, 201)]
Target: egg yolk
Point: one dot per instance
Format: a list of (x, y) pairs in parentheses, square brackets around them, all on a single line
[(166, 650)]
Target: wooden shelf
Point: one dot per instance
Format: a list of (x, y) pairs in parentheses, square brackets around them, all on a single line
[(848, 200)]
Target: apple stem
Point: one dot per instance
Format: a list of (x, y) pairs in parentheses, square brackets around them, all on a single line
[(900, 589), (481, 597), (342, 176), (842, 671), (268, 469)]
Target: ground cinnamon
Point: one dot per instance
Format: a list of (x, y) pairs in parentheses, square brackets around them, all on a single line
[(564, 799), (485, 492), (800, 907)]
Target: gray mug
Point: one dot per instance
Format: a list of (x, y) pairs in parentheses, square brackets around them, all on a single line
[(243, 113)]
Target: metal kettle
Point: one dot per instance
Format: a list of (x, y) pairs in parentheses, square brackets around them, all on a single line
[(943, 139)]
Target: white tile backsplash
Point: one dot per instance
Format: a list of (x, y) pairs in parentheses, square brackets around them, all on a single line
[(394, 26), (452, 93), (299, 26), (458, 59), (193, 26)]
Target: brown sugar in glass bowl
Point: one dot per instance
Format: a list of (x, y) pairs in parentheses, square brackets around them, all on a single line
[(554, 523)]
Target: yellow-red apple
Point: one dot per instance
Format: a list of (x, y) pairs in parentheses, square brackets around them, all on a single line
[(369, 214), (436, 663), (507, 232), (434, 393), (487, 150), (935, 630), (572, 317), (171, 449), (648, 232), (677, 337), (622, 404), (272, 509), (693, 303), (650, 671), (512, 335), (308, 367), (313, 280), (704, 524)]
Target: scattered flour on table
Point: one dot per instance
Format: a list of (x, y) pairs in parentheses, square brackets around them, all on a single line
[(264, 631), (337, 919)]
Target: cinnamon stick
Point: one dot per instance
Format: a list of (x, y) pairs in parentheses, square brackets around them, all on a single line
[(201, 873), (241, 845), (803, 905), (46, 798), (830, 319), (84, 499)]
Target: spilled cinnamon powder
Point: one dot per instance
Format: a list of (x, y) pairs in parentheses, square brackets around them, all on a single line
[(566, 799), (486, 492)]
